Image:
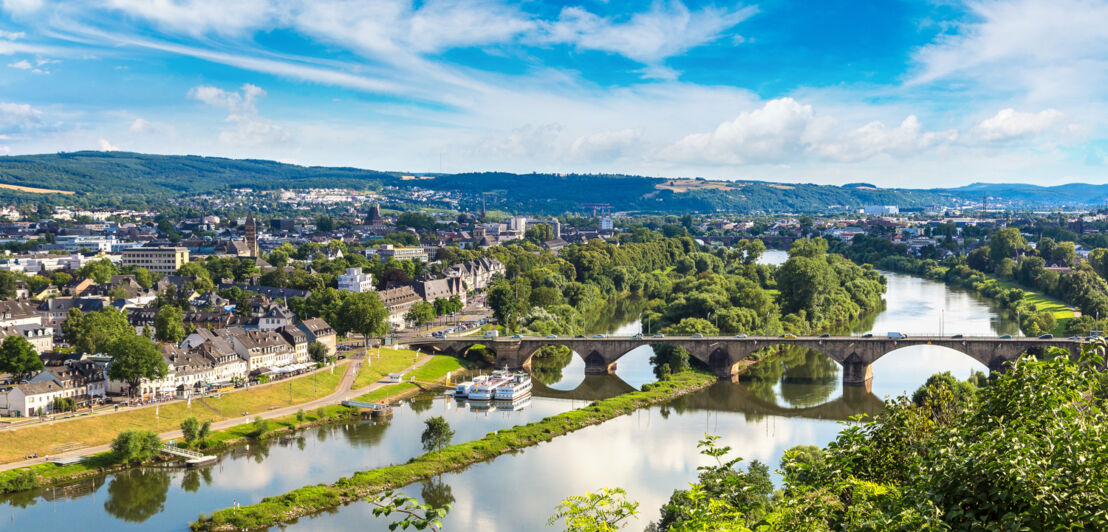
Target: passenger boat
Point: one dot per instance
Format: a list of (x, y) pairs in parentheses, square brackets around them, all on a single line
[(463, 389), (484, 390), (517, 385)]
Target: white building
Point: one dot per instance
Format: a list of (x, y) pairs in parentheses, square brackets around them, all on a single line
[(606, 223), (354, 280)]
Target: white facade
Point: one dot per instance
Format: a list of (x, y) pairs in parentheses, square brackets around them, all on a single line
[(355, 281), (606, 223), (878, 210)]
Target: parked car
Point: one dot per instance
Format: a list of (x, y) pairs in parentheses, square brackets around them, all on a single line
[(517, 336), (698, 335), (637, 336), (551, 336)]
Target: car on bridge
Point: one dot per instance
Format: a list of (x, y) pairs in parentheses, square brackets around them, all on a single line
[(659, 335), (551, 336), (1005, 336), (1047, 336), (958, 336), (825, 335), (740, 336), (897, 335), (698, 335), (598, 336)]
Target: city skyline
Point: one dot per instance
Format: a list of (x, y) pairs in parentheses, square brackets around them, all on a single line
[(901, 94)]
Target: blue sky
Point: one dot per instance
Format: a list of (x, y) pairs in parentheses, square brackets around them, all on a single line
[(911, 93)]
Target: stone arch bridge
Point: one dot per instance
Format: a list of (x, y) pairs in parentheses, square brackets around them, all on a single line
[(724, 354)]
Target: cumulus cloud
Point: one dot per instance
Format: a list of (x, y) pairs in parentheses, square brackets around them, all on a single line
[(1010, 124), (905, 140), (18, 117), (141, 126), (245, 127), (779, 130), (22, 64), (784, 131), (107, 146), (606, 145)]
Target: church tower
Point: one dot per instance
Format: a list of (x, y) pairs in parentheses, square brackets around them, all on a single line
[(251, 235)]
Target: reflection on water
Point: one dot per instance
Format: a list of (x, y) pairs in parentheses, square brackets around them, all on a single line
[(169, 498), (796, 397)]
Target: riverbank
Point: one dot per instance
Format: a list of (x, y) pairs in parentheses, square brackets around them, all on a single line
[(313, 499), (434, 370)]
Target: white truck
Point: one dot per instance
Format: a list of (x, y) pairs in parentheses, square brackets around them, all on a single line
[(492, 334)]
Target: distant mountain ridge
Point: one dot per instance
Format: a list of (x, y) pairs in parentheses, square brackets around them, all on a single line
[(122, 177)]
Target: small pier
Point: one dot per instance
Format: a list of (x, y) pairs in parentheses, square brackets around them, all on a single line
[(192, 458)]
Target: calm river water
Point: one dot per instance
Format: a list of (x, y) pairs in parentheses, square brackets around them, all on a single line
[(798, 400)]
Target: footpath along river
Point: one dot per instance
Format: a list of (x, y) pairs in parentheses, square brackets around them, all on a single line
[(799, 399)]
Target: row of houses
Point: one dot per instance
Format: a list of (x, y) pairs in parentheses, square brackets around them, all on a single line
[(206, 359)]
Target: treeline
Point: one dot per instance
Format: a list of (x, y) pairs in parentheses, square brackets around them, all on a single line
[(1007, 257)]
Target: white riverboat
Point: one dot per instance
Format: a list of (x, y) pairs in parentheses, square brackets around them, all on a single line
[(518, 385), (484, 390), (463, 389)]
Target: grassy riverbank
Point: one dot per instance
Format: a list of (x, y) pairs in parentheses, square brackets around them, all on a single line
[(312, 499), (90, 431), (49, 474)]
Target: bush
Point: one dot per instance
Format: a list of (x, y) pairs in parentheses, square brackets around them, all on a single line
[(300, 415), (19, 480), (133, 446), (190, 430), (261, 426)]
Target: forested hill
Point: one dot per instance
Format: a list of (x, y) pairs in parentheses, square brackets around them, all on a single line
[(115, 177)]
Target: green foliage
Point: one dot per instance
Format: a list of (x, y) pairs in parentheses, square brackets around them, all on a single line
[(134, 446), (318, 352), (190, 430), (100, 271), (169, 325), (300, 416), (603, 511), (436, 434), (421, 313), (413, 513), (18, 480), (261, 426), (135, 358), (363, 313), (96, 331), (18, 357)]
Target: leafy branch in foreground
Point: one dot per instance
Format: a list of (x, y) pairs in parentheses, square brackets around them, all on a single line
[(414, 514), (604, 511)]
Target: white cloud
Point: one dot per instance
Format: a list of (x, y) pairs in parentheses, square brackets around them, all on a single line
[(529, 141), (141, 126), (784, 131), (780, 130), (22, 64), (606, 145), (1010, 124), (107, 146), (197, 17), (21, 7), (1049, 48), (5, 149), (18, 117), (905, 140), (245, 126), (11, 35), (666, 30)]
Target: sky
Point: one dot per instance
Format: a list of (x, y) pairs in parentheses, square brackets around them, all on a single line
[(912, 94)]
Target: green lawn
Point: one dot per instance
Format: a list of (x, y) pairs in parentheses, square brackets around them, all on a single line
[(98, 430), (391, 361), (1062, 312)]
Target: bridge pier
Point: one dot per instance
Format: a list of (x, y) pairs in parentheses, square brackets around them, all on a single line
[(857, 373)]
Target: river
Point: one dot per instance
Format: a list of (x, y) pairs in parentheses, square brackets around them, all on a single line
[(797, 400)]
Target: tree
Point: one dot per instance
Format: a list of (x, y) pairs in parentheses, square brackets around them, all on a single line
[(205, 430), (539, 233), (1006, 243), (135, 358), (169, 325), (190, 430), (363, 313), (318, 352), (61, 279), (100, 271), (261, 426), (7, 284), (436, 434), (95, 331), (421, 313), (603, 511), (18, 357), (325, 223), (502, 300), (144, 278), (133, 446)]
